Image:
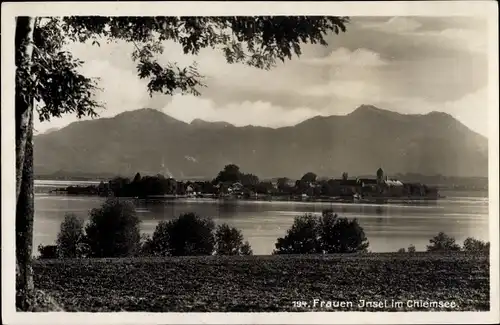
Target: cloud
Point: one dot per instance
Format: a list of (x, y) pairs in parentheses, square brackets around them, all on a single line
[(394, 25), (406, 64), (359, 90), (464, 34), (466, 39), (471, 110), (121, 90), (187, 108), (345, 57)]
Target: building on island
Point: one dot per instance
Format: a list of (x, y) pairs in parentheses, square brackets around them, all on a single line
[(379, 186)]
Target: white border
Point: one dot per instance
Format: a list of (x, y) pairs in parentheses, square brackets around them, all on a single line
[(488, 9)]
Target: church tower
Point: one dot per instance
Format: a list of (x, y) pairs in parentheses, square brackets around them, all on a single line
[(380, 176)]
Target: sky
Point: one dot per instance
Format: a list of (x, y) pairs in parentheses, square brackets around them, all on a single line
[(410, 65)]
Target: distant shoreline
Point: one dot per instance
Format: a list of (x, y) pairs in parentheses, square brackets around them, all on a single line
[(180, 199), (88, 188), (96, 180)]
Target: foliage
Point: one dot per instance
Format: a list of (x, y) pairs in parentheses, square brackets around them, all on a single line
[(146, 246), (52, 78), (255, 41), (159, 185), (140, 186), (328, 234), (249, 180), (159, 243), (309, 177), (82, 190), (113, 230), (282, 185), (44, 302), (47, 251), (341, 235), (117, 184), (55, 82), (187, 235), (83, 249), (230, 174), (70, 237), (246, 249), (205, 187), (442, 243), (193, 235), (264, 188), (411, 249), (345, 176), (301, 238), (401, 250), (264, 284), (137, 178), (229, 241), (301, 186), (475, 245), (47, 76)]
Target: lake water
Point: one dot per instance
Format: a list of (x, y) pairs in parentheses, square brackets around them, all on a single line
[(388, 227)]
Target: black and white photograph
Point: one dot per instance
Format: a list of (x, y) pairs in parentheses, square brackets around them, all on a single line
[(249, 162)]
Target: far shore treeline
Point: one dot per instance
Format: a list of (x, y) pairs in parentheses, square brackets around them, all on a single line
[(233, 183)]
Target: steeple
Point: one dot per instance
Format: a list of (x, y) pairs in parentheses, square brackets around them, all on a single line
[(380, 175)]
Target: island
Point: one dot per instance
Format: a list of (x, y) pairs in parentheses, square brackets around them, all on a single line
[(232, 184)]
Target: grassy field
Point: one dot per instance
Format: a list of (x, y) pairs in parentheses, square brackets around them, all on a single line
[(266, 283)]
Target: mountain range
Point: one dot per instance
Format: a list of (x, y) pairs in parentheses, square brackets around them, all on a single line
[(150, 142)]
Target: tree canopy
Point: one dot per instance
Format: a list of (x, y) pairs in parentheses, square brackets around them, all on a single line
[(442, 243), (51, 76), (230, 173), (309, 177), (329, 234), (48, 78)]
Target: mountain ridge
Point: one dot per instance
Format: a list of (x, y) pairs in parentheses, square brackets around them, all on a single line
[(359, 143)]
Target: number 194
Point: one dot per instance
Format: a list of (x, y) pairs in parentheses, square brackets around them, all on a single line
[(300, 304)]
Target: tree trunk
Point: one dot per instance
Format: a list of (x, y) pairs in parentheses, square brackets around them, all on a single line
[(24, 102), (24, 167), (24, 229)]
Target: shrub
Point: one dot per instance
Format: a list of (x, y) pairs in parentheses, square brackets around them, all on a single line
[(246, 249), (47, 252), (70, 237), (341, 235), (229, 241), (83, 249), (411, 249), (113, 230), (301, 238), (146, 246), (442, 243), (328, 234), (475, 245), (187, 235), (159, 243)]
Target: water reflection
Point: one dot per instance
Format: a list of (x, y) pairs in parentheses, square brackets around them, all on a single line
[(388, 227)]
